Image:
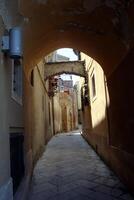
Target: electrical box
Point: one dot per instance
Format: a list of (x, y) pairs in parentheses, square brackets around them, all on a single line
[(15, 42), (5, 43)]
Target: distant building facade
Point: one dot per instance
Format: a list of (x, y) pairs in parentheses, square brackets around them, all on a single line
[(66, 101)]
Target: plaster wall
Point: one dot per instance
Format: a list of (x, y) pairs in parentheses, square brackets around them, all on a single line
[(97, 103), (15, 112), (38, 134), (111, 136), (38, 118), (42, 119), (57, 114), (11, 119), (69, 111), (121, 110), (79, 84), (4, 128), (75, 110)]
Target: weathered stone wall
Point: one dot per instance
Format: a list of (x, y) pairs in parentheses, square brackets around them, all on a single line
[(57, 114), (75, 110), (71, 67), (69, 111), (65, 112)]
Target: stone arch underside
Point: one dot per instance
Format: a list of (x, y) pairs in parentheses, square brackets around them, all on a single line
[(102, 29), (71, 67)]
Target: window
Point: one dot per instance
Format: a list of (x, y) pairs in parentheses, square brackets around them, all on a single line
[(32, 78), (93, 85), (17, 81)]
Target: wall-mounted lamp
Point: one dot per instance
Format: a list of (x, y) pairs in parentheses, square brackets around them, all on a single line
[(12, 43)]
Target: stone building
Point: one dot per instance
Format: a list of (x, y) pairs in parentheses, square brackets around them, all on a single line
[(66, 108)]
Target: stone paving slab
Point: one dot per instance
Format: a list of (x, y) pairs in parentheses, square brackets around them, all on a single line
[(69, 169)]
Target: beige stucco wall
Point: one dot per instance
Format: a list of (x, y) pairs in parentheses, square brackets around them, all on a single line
[(97, 103), (65, 112), (38, 115), (57, 114), (42, 106), (38, 118), (78, 85), (75, 109), (68, 101), (66, 106)]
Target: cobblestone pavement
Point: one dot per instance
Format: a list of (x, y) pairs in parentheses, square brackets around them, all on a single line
[(70, 170)]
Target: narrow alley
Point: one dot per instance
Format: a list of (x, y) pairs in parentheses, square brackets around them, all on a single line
[(70, 169)]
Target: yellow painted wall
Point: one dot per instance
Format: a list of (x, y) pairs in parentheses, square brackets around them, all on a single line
[(38, 119), (97, 103), (71, 120), (42, 106), (57, 114)]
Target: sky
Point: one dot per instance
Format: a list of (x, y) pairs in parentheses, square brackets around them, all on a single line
[(68, 53), (71, 55)]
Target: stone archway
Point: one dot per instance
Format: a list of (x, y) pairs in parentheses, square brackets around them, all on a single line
[(70, 67), (101, 29)]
